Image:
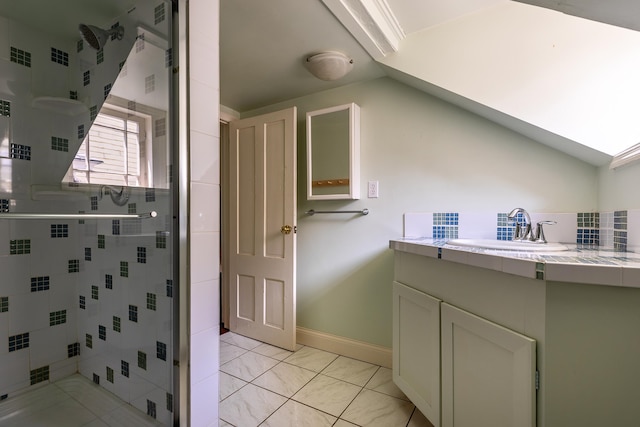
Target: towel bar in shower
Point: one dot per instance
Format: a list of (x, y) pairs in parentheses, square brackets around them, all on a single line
[(144, 215), (313, 212)]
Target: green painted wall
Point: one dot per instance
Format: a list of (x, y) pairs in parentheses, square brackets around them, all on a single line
[(428, 156), (618, 188)]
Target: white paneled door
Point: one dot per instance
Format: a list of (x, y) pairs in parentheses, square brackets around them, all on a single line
[(262, 216)]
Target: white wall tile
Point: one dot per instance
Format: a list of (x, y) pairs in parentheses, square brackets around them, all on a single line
[(633, 230), (14, 370), (204, 106), (28, 312), (4, 39), (204, 412), (15, 273), (204, 56), (563, 231), (205, 207), (63, 368), (47, 346), (204, 246), (205, 158), (480, 225), (205, 256), (205, 298), (204, 21), (204, 355), (418, 224), (140, 387)]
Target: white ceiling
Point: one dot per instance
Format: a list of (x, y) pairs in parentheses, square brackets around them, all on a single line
[(417, 15), (263, 43)]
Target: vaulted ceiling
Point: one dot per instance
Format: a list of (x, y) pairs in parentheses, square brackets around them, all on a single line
[(263, 46)]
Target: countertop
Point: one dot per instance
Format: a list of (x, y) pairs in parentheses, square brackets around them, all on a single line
[(577, 265)]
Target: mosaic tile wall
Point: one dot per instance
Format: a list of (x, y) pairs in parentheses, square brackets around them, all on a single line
[(42, 68), (90, 301), (89, 296), (124, 304)]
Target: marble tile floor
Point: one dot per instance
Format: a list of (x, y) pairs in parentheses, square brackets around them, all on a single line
[(262, 385), (73, 401)]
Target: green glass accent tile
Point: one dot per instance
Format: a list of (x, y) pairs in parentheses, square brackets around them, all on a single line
[(142, 360), (110, 375), (124, 269), (161, 240), (100, 241), (169, 402), (57, 317), (151, 301), (20, 247), (4, 304), (73, 349), (39, 375), (117, 324), (59, 144), (20, 56), (539, 270), (5, 108)]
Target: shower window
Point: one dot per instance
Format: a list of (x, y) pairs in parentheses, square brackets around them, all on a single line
[(113, 153)]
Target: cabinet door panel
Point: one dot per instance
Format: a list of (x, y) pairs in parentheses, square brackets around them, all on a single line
[(416, 348), (488, 373)]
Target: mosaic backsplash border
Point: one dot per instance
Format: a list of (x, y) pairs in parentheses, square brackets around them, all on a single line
[(603, 230)]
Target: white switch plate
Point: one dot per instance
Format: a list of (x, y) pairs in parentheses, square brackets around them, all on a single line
[(372, 189)]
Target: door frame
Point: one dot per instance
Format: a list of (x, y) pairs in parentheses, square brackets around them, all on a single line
[(225, 285)]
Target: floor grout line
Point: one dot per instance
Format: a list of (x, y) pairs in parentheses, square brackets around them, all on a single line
[(361, 388)]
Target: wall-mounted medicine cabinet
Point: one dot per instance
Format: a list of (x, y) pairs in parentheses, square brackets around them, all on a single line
[(333, 153)]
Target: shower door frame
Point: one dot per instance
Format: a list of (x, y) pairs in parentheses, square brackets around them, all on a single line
[(180, 189)]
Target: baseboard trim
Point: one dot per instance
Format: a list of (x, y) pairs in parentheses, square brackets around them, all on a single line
[(360, 350)]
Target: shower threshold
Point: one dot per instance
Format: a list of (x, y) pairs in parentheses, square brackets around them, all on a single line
[(70, 402)]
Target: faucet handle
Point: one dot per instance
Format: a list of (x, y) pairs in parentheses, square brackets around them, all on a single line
[(540, 231)]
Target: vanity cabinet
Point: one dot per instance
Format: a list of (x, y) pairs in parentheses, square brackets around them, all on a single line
[(416, 348), (458, 368), (464, 350)]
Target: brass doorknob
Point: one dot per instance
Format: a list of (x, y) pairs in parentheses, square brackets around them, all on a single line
[(286, 229)]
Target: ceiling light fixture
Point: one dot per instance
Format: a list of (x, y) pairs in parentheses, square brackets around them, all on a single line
[(329, 65)]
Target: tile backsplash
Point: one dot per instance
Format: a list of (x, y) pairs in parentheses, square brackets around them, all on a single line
[(619, 230)]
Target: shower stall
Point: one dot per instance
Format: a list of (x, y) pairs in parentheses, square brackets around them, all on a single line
[(88, 291)]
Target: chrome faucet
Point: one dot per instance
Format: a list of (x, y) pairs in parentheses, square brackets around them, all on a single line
[(528, 233), (519, 233)]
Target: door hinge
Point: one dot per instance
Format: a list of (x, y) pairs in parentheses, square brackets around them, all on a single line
[(176, 363), (295, 229), (537, 380)]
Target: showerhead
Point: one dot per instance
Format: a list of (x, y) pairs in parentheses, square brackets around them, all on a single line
[(97, 37)]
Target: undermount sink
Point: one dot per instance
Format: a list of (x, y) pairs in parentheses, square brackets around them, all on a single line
[(517, 245)]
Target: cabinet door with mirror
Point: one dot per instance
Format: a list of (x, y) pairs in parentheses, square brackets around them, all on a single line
[(333, 153)]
